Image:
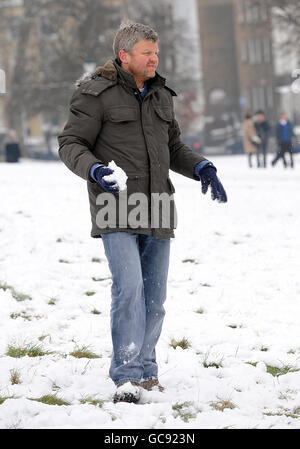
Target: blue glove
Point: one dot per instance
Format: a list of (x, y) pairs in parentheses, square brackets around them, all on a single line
[(207, 174), (98, 173)]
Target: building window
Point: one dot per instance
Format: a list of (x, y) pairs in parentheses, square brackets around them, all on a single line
[(244, 51), (251, 47), (266, 49), (261, 97), (240, 11), (258, 55), (255, 98), (263, 10), (248, 7), (255, 51), (255, 13)]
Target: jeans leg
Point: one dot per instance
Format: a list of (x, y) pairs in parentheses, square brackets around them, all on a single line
[(290, 151), (264, 151), (127, 307), (155, 264), (258, 152), (279, 155)]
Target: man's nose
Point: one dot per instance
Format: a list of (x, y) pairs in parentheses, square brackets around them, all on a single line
[(154, 59)]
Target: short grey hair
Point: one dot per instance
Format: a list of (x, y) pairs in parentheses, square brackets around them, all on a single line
[(131, 33)]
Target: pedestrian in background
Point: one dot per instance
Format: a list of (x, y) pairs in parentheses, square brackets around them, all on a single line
[(284, 136), (12, 148), (250, 139), (262, 128)]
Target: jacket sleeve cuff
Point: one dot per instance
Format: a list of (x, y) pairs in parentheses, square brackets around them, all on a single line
[(92, 170), (198, 167)]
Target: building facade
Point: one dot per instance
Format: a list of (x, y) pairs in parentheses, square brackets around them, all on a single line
[(237, 63)]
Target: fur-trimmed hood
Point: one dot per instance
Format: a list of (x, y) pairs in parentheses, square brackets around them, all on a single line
[(108, 71)]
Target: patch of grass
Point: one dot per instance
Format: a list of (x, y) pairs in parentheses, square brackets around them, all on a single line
[(212, 364), (42, 337), (90, 293), (29, 349), (84, 352), (100, 279), (4, 286), (15, 377), (222, 405), (96, 312), (92, 401), (23, 314), (52, 301), (276, 372), (200, 311), (252, 363), (286, 412), (3, 398), (190, 261), (96, 260), (183, 411), (235, 326), (205, 284), (292, 351), (20, 296), (264, 349), (15, 294), (50, 399), (63, 261), (183, 343)]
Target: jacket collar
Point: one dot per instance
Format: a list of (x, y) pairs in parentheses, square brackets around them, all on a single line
[(113, 71)]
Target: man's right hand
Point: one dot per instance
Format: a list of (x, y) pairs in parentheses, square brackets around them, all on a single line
[(99, 176)]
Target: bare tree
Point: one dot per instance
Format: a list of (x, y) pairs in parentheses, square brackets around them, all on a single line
[(54, 38), (286, 15)]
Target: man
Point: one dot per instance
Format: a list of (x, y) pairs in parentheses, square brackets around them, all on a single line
[(251, 141), (284, 135), (124, 113), (262, 129)]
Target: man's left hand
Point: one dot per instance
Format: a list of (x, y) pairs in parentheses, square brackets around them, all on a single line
[(208, 177)]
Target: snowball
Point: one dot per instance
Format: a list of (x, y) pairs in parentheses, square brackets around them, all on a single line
[(118, 176)]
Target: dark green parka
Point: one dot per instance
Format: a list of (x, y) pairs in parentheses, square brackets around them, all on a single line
[(108, 120)]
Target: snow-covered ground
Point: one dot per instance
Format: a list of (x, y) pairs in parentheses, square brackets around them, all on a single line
[(233, 293)]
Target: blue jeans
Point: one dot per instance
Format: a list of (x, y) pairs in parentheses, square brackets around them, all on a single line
[(139, 266)]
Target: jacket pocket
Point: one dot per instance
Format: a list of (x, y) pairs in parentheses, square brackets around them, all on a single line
[(165, 113), (122, 114)]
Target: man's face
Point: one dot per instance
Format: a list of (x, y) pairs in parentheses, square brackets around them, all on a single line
[(260, 117), (142, 61)]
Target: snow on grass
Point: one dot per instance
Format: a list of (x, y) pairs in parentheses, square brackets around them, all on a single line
[(229, 353)]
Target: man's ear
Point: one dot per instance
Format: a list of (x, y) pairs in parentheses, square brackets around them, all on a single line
[(123, 56)]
